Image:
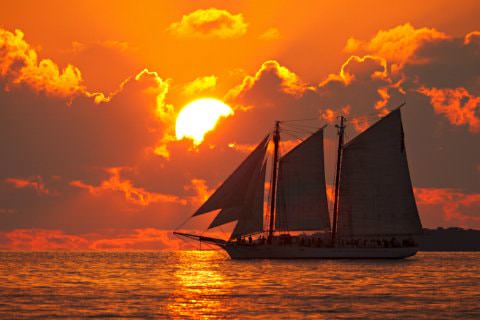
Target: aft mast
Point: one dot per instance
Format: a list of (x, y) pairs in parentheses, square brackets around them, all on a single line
[(276, 140), (341, 130)]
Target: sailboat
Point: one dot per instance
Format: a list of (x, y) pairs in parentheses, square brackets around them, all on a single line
[(374, 211)]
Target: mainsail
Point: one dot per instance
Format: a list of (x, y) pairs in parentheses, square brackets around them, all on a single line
[(376, 196), (301, 196), (240, 197)]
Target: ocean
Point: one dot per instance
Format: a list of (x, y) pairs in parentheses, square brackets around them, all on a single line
[(207, 285)]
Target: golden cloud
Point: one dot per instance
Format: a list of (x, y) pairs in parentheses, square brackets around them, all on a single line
[(200, 84), (160, 89), (368, 66), (290, 83), (132, 194), (19, 64), (210, 23), (458, 105), (396, 45), (271, 34), (200, 189)]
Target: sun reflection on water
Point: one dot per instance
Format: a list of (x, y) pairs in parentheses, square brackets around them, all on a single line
[(200, 287), (206, 285)]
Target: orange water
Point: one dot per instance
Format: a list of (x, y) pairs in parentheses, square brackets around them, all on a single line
[(206, 284)]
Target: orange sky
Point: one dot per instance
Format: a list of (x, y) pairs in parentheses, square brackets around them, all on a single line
[(90, 138)]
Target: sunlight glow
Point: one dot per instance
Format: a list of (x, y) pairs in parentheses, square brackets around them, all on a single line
[(199, 117)]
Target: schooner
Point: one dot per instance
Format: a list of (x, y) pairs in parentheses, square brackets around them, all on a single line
[(374, 211)]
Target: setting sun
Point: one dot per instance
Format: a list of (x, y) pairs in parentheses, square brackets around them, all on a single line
[(199, 117)]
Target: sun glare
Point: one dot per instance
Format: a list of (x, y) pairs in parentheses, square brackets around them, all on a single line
[(199, 117)]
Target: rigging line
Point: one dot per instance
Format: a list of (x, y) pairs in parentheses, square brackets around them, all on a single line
[(306, 131), (294, 139), (183, 223), (295, 131), (301, 126), (295, 120), (364, 118), (294, 136)]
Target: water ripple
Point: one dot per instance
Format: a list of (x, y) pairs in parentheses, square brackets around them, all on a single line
[(205, 284)]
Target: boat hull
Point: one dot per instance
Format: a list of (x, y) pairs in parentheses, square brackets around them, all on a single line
[(236, 251)]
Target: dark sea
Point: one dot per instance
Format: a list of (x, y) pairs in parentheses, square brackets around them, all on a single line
[(206, 284)]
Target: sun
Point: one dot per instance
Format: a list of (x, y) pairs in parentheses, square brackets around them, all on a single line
[(199, 117)]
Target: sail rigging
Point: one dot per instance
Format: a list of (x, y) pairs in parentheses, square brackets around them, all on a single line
[(301, 191), (376, 196), (373, 199)]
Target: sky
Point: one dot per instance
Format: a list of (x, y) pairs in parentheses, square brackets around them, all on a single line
[(90, 92)]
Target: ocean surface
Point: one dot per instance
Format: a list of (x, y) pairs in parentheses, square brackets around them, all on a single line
[(206, 284)]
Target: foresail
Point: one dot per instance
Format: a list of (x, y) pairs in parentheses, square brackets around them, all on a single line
[(225, 216), (301, 193), (376, 196), (250, 215), (233, 192)]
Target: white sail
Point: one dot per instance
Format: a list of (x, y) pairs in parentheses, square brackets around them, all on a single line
[(301, 196), (376, 196), (233, 192)]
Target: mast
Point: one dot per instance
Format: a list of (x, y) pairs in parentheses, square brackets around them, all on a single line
[(341, 129), (276, 140)]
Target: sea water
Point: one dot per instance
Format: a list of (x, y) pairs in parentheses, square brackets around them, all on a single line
[(207, 284)]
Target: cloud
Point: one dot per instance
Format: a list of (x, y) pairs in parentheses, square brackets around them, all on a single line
[(272, 75), (397, 44), (35, 183), (210, 23), (116, 44), (135, 239), (471, 37), (270, 34), (201, 191), (39, 239), (457, 208), (200, 85), (132, 194), (140, 239), (81, 47), (431, 63), (360, 68), (120, 156), (19, 65), (458, 105)]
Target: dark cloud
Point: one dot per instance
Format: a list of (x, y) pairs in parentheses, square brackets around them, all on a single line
[(73, 164)]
